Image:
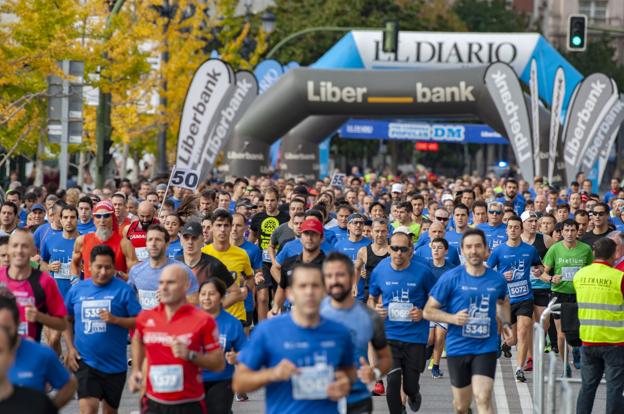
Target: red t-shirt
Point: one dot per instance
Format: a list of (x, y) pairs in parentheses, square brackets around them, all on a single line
[(173, 380), (23, 292), (90, 240)]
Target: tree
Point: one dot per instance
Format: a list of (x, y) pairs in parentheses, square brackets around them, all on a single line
[(489, 16), (600, 56)]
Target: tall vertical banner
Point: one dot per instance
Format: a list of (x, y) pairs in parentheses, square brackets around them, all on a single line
[(210, 85), (504, 88), (555, 123), (234, 105), (594, 98), (608, 131), (534, 89)]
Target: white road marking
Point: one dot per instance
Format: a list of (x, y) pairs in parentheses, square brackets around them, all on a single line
[(500, 397)]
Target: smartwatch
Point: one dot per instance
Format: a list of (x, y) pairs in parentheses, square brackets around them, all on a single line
[(192, 355)]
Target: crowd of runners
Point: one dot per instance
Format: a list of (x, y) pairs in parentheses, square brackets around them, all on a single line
[(324, 295)]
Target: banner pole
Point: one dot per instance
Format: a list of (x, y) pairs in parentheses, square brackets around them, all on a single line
[(166, 190)]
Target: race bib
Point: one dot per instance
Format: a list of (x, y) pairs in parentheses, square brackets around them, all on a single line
[(518, 289), (91, 321), (532, 276), (148, 299), (22, 330), (400, 312), (223, 341), (141, 253), (478, 328), (166, 378), (310, 383), (265, 255), (64, 272), (567, 273)]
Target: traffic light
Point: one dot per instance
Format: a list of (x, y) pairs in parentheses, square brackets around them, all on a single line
[(390, 41), (577, 33)]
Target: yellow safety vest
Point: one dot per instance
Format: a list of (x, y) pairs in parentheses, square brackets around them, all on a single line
[(600, 303)]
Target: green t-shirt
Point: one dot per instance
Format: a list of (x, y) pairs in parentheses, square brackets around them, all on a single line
[(567, 262), (413, 227)]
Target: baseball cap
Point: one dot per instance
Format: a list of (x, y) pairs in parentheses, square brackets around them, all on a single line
[(355, 216), (161, 187), (38, 207), (192, 228), (245, 202), (300, 190), (446, 197), (404, 230), (312, 224), (527, 215), (397, 188)]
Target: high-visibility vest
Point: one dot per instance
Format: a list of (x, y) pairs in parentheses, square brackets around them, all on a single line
[(600, 303)]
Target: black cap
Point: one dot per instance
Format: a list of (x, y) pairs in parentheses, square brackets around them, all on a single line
[(301, 190), (192, 228)]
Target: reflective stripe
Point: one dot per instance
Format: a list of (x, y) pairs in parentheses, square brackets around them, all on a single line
[(598, 322), (601, 306)]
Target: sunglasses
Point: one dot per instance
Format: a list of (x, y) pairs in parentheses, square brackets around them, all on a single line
[(599, 213), (442, 218), (102, 215), (497, 212), (402, 249)]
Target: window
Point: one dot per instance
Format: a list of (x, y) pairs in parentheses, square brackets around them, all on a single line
[(596, 10)]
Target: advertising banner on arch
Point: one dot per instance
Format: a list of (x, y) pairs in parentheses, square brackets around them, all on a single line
[(605, 137), (210, 85), (592, 101), (504, 87)]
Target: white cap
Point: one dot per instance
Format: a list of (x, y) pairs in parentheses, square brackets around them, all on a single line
[(397, 188), (527, 215), (446, 197), (404, 230)]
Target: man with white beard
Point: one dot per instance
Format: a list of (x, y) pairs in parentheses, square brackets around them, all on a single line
[(106, 232)]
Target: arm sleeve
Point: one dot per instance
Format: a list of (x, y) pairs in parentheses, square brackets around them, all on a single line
[(253, 354), (549, 260), (219, 270), (346, 360), (492, 261), (45, 253), (378, 341), (281, 255)]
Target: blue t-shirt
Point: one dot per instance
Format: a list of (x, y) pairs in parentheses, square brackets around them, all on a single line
[(357, 319), (255, 258), (518, 203), (494, 235), (231, 337), (339, 234), (84, 228), (44, 231), (23, 215), (84, 302), (456, 290), (439, 271), (294, 247), (349, 248), (175, 201), (36, 365), (454, 239), (400, 291), (452, 255), (518, 260), (317, 350), (175, 249), (56, 248), (144, 280)]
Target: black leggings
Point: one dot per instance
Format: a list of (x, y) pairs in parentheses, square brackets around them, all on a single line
[(219, 396), (408, 361)]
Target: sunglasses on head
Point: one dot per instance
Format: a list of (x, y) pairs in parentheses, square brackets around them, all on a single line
[(102, 215), (402, 249), (495, 212)]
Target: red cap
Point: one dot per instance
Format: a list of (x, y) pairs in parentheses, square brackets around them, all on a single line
[(312, 224)]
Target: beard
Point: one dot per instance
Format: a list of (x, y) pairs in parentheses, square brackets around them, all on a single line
[(103, 234), (339, 296)]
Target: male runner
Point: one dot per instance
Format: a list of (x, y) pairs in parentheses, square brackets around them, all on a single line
[(403, 286), (437, 230), (473, 297), (85, 217), (511, 194), (136, 231), (369, 256), (175, 340), (403, 217), (494, 230), (515, 260), (354, 243), (366, 327), (308, 367), (101, 309), (461, 213), (600, 219)]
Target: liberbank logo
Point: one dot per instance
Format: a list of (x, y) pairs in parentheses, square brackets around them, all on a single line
[(327, 91)]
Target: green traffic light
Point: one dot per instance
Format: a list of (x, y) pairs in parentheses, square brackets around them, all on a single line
[(576, 40)]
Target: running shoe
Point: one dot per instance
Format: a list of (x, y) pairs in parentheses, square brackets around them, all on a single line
[(576, 357), (506, 349), (436, 373), (379, 388), (520, 375), (415, 403), (529, 365), (240, 397), (568, 371), (547, 348)]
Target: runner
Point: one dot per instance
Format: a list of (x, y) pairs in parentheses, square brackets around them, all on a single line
[(37, 295), (355, 242), (144, 276), (473, 297), (479, 213), (286, 231), (4, 251), (461, 214), (173, 224), (366, 327), (206, 225), (52, 227), (218, 385), (340, 231), (171, 344), (403, 217), (118, 201), (403, 286), (101, 311), (85, 217), (369, 256), (106, 233), (8, 218), (600, 219), (515, 260), (494, 230), (309, 366), (137, 230), (234, 258), (565, 258), (35, 365), (436, 230)]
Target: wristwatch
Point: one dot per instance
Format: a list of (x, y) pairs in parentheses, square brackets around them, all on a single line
[(377, 373), (192, 355)]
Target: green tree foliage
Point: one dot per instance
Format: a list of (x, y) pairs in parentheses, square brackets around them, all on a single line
[(599, 57), (489, 16)]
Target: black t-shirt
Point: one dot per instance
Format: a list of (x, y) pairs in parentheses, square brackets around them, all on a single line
[(26, 400), (591, 238), (209, 266), (264, 225), (290, 263)]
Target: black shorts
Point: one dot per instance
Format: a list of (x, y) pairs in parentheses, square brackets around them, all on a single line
[(541, 297), (563, 298), (93, 383), (248, 319), (524, 308), (152, 407), (462, 368), (361, 407), (267, 283)]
